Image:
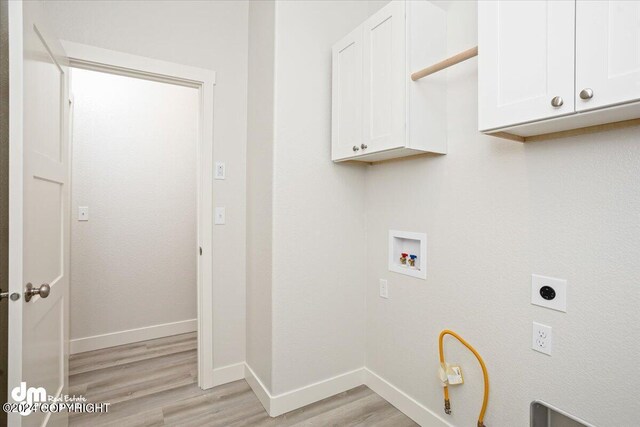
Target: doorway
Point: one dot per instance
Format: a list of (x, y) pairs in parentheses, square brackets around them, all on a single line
[(134, 243), (157, 163)]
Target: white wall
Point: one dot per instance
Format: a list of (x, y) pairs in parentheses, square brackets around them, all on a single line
[(260, 188), (134, 163), (211, 35), (496, 211), (318, 207)]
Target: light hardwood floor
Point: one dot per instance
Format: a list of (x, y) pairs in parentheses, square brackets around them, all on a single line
[(153, 383)]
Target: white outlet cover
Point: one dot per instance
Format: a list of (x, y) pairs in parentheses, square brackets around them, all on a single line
[(542, 338), (559, 286)]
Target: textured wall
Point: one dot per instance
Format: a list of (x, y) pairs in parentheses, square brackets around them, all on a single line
[(211, 35), (260, 188), (318, 206), (134, 163), (494, 212)]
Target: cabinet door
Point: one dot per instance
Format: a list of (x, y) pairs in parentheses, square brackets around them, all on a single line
[(385, 77), (526, 59), (346, 112), (607, 53)]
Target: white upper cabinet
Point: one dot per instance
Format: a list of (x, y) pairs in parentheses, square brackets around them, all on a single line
[(385, 78), (550, 66), (526, 61), (378, 112), (607, 53), (346, 114)]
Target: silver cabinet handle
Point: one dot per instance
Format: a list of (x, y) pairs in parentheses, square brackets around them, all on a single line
[(355, 148), (586, 94), (363, 146), (557, 101), (44, 290)]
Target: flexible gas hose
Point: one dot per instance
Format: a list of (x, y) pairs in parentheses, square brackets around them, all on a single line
[(485, 399)]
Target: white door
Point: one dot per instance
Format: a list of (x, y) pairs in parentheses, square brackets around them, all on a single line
[(525, 61), (38, 204), (385, 77), (607, 53), (346, 112)]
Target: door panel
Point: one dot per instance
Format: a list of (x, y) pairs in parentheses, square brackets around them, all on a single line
[(39, 194), (526, 54), (607, 52), (347, 96), (385, 76)]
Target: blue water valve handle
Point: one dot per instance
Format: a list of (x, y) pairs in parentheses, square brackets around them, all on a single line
[(413, 256)]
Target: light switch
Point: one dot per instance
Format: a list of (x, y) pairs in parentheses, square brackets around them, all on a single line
[(219, 216), (384, 289), (220, 170), (83, 213)]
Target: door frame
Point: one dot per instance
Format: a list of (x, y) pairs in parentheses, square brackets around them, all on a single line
[(123, 64)]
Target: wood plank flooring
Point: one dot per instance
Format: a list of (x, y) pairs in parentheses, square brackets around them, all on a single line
[(154, 383)]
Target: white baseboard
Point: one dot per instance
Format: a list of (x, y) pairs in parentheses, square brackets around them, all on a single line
[(286, 402), (306, 395), (113, 339), (405, 403), (228, 374), (259, 389)]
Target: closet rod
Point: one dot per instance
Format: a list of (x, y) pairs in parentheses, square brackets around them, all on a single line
[(455, 59)]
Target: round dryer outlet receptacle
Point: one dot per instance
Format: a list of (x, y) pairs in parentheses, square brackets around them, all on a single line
[(547, 292)]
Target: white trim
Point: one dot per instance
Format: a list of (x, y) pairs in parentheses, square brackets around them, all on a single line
[(16, 160), (289, 401), (402, 401), (258, 387), (96, 342), (89, 57), (228, 374), (303, 396), (306, 395)]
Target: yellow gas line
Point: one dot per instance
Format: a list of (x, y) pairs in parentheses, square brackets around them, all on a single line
[(485, 399)]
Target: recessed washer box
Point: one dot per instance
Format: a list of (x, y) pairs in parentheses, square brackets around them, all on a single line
[(412, 244)]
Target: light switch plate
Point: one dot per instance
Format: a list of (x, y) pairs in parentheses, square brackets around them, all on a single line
[(384, 289), (220, 214), (83, 213), (549, 287), (220, 170)]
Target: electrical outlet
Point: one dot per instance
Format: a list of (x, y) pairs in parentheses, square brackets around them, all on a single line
[(541, 338), (384, 289)]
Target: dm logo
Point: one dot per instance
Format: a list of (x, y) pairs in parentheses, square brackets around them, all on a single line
[(29, 396)]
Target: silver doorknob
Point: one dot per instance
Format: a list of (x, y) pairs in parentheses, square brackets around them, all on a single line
[(557, 101), (44, 290), (363, 146), (586, 93), (355, 148)]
